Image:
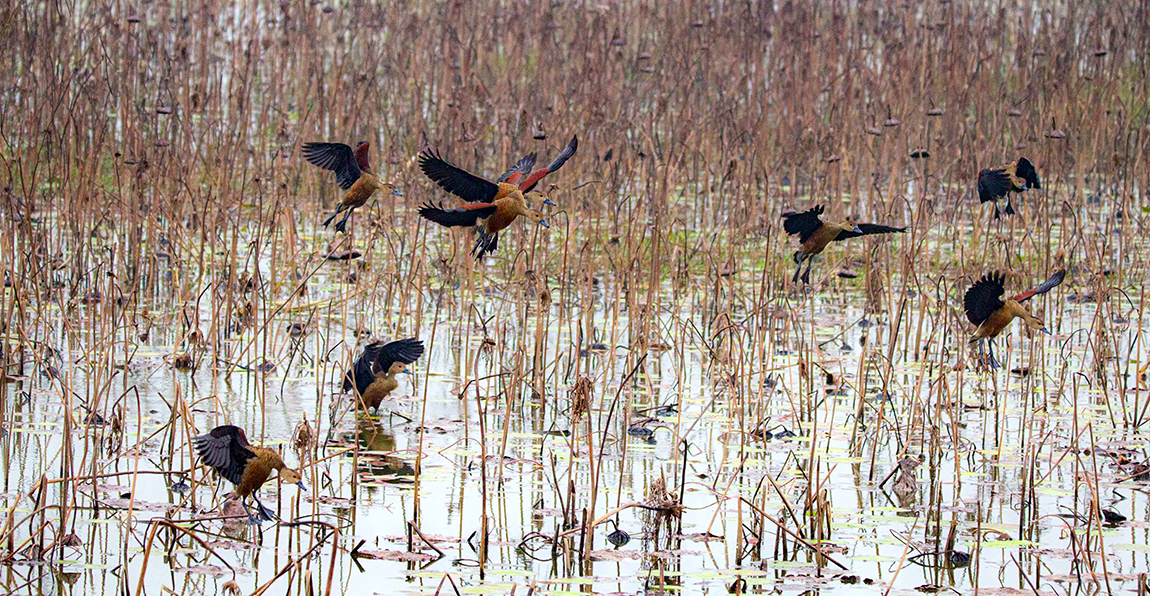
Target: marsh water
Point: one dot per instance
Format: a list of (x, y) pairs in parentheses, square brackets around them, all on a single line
[(634, 400), (690, 410)]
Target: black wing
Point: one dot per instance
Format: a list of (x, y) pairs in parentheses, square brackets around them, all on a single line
[(992, 185), (1042, 288), (521, 167), (804, 224), (225, 449), (868, 229), (983, 298), (404, 350), (451, 218), (361, 373), (1025, 170), (336, 157), (456, 180)]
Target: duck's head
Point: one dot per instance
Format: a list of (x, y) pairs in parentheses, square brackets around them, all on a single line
[(1031, 321), (536, 217), (390, 189), (397, 368), (539, 196), (291, 476)]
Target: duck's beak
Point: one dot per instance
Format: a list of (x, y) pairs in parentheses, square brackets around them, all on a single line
[(543, 222), (1046, 331), (301, 486), (397, 192), (406, 371), (857, 230), (548, 201)]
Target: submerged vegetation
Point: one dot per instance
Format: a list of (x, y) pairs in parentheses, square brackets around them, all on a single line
[(638, 398)]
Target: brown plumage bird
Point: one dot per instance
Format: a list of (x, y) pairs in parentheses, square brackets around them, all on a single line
[(373, 376), (352, 172), (815, 234), (990, 314), (493, 205), (226, 450), (995, 184)]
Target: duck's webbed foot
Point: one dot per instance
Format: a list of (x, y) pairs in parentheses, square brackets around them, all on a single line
[(984, 359), (342, 225), (265, 514), (993, 363), (253, 519)]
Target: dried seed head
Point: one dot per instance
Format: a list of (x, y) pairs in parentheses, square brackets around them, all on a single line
[(580, 396), (183, 361), (304, 438), (662, 507)]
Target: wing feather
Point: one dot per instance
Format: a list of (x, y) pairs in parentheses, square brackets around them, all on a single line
[(555, 164), (456, 180), (992, 185), (868, 229), (804, 224), (360, 375), (451, 218), (520, 169), (336, 157), (404, 350), (984, 298), (1025, 170), (225, 449), (1042, 288)]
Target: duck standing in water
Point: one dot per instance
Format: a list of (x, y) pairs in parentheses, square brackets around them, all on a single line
[(226, 450), (990, 314), (373, 376)]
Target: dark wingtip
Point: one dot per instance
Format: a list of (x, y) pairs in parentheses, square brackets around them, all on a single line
[(428, 154), (564, 155)]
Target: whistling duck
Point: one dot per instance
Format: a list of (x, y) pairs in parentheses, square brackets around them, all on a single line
[(497, 204), (986, 310), (815, 234), (227, 450), (373, 374), (997, 183), (352, 172)]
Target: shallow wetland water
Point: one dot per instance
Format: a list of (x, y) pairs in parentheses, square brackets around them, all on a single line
[(635, 400)]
